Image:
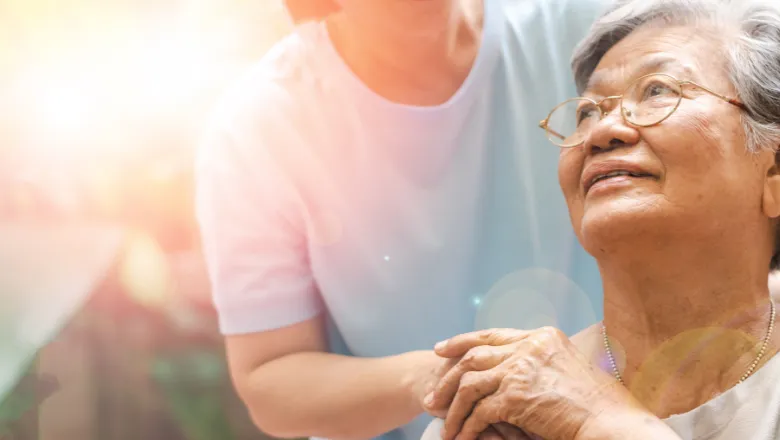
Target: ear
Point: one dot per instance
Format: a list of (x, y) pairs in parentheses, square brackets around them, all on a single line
[(771, 199)]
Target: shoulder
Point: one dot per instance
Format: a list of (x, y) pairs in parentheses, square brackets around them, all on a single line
[(584, 11), (564, 21), (279, 83), (540, 37), (268, 107)]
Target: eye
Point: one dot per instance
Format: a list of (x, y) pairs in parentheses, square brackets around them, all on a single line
[(585, 112), (657, 88)]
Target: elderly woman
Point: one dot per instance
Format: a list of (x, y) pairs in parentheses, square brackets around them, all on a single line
[(670, 170)]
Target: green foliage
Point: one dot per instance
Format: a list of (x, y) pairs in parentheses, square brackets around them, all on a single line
[(192, 383)]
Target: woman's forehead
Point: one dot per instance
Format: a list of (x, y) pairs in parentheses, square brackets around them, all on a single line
[(605, 76), (680, 52)]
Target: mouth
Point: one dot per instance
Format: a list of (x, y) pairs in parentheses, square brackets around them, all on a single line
[(616, 174)]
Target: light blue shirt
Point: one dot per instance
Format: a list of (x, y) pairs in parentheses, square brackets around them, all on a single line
[(405, 225)]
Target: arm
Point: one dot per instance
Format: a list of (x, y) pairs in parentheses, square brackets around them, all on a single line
[(254, 230), (293, 388)]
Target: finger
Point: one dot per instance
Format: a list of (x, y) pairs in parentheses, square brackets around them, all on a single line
[(484, 414), (474, 387), (458, 345), (512, 432), (477, 359), (490, 434), (434, 379)]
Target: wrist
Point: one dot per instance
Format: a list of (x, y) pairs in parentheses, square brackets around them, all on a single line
[(625, 423), (420, 371)]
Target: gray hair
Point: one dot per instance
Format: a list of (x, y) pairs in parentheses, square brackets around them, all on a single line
[(752, 54)]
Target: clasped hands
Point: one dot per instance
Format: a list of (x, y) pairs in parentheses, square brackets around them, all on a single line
[(521, 385)]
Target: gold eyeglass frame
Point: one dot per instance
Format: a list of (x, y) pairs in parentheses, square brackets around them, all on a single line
[(544, 124)]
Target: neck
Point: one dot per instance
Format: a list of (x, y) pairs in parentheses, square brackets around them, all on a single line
[(685, 329), (418, 53)]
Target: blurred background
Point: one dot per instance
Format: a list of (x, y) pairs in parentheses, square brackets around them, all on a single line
[(106, 325)]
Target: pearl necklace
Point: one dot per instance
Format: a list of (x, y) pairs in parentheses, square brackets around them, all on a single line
[(747, 374)]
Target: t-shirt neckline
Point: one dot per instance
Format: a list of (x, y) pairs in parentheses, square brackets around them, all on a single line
[(483, 64)]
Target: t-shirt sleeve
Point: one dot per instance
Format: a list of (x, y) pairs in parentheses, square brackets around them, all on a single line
[(251, 218)]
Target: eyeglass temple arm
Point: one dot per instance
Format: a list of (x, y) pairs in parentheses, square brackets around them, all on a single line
[(731, 101), (543, 125)]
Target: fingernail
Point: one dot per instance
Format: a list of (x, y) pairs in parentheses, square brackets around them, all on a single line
[(440, 345), (428, 399)]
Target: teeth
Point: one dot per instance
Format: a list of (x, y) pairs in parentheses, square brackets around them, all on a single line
[(613, 174)]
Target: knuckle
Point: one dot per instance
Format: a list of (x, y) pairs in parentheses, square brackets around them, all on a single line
[(471, 382), (475, 356), (469, 358), (551, 331), (485, 335), (550, 334), (482, 358)]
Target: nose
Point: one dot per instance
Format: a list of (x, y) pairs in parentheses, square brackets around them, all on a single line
[(611, 132)]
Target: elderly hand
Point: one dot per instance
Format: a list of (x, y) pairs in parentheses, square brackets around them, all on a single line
[(453, 366), (505, 431), (536, 380)]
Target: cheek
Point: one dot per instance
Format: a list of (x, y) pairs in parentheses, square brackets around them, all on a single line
[(710, 133), (569, 169), (706, 138), (704, 157), (693, 146)]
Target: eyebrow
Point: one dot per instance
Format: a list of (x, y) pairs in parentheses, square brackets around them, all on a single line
[(651, 64)]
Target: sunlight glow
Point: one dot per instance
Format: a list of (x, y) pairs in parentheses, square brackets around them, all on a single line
[(65, 110)]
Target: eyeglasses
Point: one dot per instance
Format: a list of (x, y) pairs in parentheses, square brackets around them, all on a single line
[(648, 101)]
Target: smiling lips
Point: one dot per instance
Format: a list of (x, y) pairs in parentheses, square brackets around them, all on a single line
[(605, 170)]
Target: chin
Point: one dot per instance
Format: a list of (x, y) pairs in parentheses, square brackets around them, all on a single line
[(606, 227)]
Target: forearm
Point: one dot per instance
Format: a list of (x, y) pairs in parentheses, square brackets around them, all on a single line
[(337, 397)]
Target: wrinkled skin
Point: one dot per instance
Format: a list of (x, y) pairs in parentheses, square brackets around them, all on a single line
[(537, 380)]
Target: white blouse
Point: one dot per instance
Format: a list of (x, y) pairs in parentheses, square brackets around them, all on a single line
[(748, 411)]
